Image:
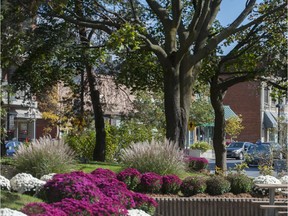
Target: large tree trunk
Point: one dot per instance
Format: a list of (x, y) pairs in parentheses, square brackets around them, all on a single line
[(219, 145), (100, 147), (177, 95)]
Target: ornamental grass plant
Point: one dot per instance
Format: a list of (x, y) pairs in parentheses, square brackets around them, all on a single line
[(44, 156), (158, 157)]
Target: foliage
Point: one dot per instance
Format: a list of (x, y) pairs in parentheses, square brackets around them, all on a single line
[(150, 183), (265, 169), (113, 137), (239, 168), (131, 177), (82, 144), (217, 185), (234, 126), (201, 145), (44, 156), (240, 183), (159, 157), (196, 163), (201, 111), (193, 185), (171, 184)]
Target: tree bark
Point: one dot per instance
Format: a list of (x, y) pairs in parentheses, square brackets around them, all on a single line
[(100, 147), (216, 95)]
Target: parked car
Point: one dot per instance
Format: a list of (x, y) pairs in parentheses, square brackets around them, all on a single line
[(259, 154), (11, 147), (237, 149), (276, 148)]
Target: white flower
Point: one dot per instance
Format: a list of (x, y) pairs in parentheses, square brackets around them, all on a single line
[(47, 177), (137, 212), (24, 182), (4, 183), (267, 179), (284, 179), (10, 212)]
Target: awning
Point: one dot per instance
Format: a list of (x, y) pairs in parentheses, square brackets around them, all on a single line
[(228, 112), (269, 120), (25, 113)]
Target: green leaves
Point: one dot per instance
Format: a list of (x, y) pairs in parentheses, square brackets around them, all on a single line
[(127, 36)]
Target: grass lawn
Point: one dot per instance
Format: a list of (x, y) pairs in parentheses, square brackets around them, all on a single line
[(89, 167), (15, 200)]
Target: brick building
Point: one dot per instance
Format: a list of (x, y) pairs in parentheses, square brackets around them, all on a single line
[(263, 118)]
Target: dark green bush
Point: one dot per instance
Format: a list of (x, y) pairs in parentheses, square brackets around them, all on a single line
[(217, 185), (240, 183), (193, 185)]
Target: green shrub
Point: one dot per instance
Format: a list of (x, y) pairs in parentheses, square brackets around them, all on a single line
[(193, 185), (44, 156), (203, 146), (159, 157), (240, 183), (82, 144), (217, 185)]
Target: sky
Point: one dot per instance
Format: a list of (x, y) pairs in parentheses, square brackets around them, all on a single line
[(229, 11)]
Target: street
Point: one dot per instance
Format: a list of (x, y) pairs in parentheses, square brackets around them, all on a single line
[(251, 171)]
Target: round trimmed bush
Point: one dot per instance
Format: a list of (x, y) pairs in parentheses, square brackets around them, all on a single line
[(196, 163), (240, 183), (217, 185), (150, 183), (193, 185), (171, 184), (131, 177)]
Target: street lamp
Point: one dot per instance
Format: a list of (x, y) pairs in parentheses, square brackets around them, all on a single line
[(279, 106), (32, 114)]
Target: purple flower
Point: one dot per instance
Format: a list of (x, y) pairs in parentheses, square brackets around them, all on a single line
[(116, 190), (103, 173), (145, 203), (42, 209), (77, 185), (196, 163), (171, 184), (131, 177), (151, 183), (85, 208)]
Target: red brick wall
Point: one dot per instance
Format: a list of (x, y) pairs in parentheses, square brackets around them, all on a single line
[(41, 124), (244, 99)]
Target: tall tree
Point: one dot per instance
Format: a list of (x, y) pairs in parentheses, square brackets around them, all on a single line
[(185, 38), (257, 53)]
